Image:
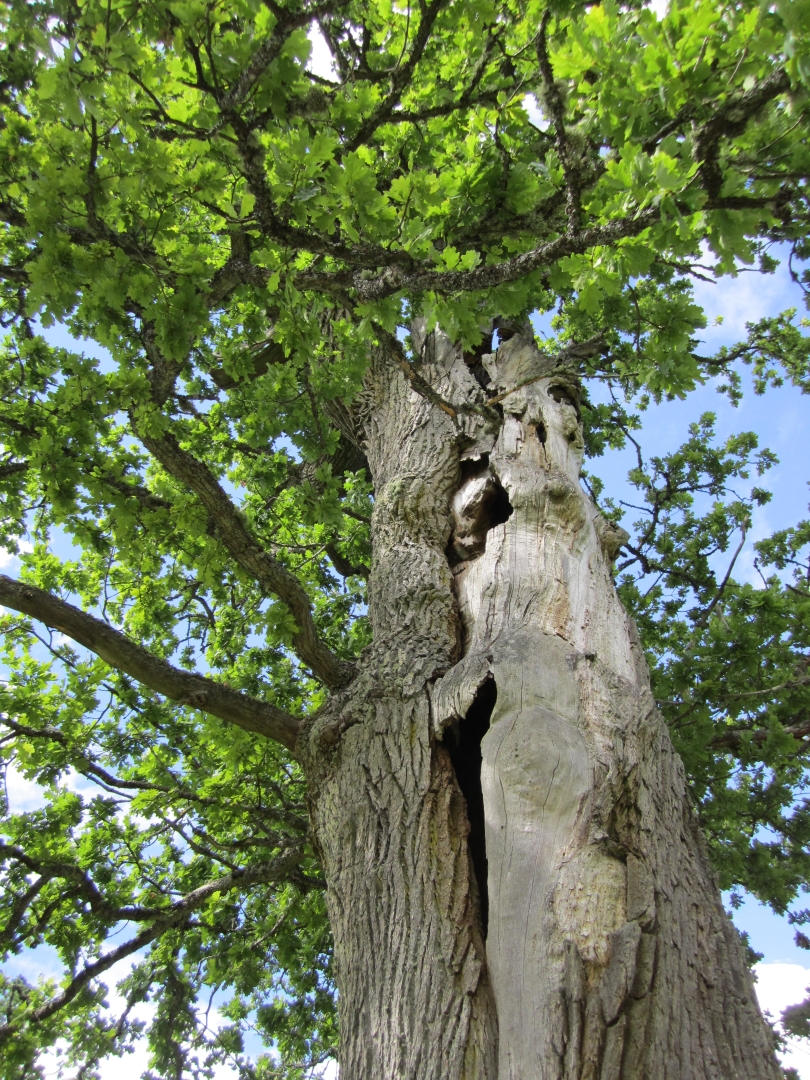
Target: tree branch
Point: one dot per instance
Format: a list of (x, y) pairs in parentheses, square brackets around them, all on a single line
[(400, 77), (363, 255), (343, 566), (254, 560), (466, 101), (554, 104), (260, 356), (730, 120), (125, 655), (394, 279), (704, 618), (733, 739), (86, 765), (269, 50), (14, 273), (174, 916)]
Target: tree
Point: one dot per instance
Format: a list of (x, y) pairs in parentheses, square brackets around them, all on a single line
[(331, 623)]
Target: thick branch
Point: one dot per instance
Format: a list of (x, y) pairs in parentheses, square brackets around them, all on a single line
[(261, 356), (14, 273), (739, 108), (733, 739), (730, 120), (344, 566), (556, 109), (254, 560), (125, 655), (12, 468), (394, 279)]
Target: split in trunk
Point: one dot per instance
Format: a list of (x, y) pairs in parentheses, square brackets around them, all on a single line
[(517, 883)]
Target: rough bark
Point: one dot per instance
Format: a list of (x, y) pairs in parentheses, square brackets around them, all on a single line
[(517, 883)]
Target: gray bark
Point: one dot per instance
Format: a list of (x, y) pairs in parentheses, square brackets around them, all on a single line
[(586, 939)]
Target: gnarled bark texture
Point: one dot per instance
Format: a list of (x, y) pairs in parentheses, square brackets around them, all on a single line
[(517, 884)]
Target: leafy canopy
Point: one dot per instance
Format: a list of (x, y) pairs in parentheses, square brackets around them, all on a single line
[(236, 231)]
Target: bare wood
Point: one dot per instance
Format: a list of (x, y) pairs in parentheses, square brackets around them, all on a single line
[(125, 655), (593, 848), (607, 955)]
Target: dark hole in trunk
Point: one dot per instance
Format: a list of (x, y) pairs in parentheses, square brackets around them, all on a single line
[(499, 509), (464, 744), (541, 433), (473, 467), (489, 508), (474, 361), (560, 394)]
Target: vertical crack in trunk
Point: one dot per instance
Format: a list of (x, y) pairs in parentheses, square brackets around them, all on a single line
[(463, 742), (607, 954)]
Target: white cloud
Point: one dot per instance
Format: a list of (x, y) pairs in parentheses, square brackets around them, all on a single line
[(660, 7), (23, 795), (9, 560), (27, 795), (535, 113), (748, 297), (320, 61), (780, 985)]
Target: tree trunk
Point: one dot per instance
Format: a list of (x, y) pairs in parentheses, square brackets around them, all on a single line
[(517, 883)]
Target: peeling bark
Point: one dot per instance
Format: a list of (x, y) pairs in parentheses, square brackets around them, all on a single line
[(553, 917)]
